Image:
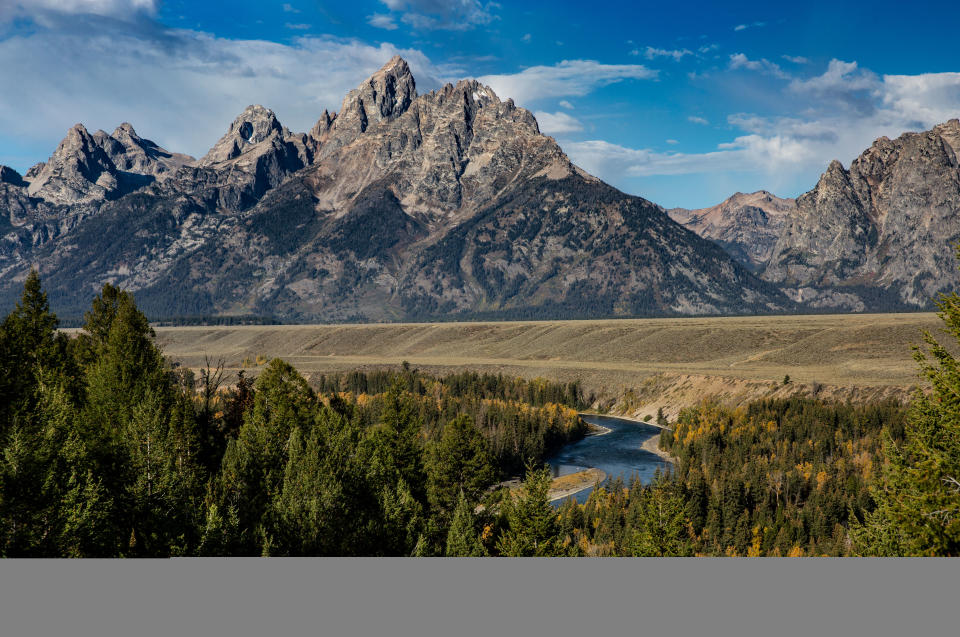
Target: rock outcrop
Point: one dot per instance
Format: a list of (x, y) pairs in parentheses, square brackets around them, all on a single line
[(881, 235)]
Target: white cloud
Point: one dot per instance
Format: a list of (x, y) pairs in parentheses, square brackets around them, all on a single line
[(706, 48), (44, 10), (197, 82), (838, 115), (652, 53), (565, 104), (750, 25), (565, 79), (796, 59), (526, 37), (382, 21), (741, 61), (289, 8), (696, 119), (298, 27), (557, 123), (672, 142)]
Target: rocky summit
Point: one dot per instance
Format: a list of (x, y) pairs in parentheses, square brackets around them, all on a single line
[(399, 206)]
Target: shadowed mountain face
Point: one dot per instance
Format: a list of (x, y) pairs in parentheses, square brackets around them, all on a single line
[(399, 206)]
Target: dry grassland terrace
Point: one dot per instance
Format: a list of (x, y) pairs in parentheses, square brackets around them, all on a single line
[(854, 356)]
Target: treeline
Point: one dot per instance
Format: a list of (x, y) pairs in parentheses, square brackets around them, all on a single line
[(109, 450)]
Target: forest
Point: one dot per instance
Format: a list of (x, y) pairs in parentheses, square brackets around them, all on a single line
[(107, 449)]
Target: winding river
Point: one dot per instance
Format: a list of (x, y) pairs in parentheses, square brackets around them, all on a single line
[(617, 453)]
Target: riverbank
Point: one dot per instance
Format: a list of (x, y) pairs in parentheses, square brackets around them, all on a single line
[(652, 445), (574, 483)]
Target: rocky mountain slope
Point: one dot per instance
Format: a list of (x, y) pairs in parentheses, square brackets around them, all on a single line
[(398, 206), (880, 236), (745, 225)]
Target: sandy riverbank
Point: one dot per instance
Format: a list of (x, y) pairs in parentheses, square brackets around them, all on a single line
[(652, 445), (568, 485)]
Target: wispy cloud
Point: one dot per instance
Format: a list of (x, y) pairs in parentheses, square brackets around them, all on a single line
[(749, 25), (452, 15), (382, 21), (47, 11), (763, 65), (564, 79), (298, 27), (289, 8), (652, 53), (696, 119), (796, 59), (565, 104)]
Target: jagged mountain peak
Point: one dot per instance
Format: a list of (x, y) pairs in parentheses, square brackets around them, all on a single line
[(254, 125)]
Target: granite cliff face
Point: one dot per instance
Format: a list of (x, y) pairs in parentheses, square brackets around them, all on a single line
[(881, 234), (745, 225), (399, 206)]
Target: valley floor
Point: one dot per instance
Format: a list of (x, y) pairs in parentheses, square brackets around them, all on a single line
[(645, 364)]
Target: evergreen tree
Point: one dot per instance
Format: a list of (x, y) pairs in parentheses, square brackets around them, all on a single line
[(459, 464), (462, 539), (918, 495), (532, 528)]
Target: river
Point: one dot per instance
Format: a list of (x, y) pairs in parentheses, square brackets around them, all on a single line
[(616, 453)]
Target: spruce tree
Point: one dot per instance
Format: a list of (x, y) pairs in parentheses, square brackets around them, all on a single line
[(532, 528), (918, 494), (462, 540), (459, 464)]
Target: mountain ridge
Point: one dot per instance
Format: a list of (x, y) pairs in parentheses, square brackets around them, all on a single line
[(400, 206)]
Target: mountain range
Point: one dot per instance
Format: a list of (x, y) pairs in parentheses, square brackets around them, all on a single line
[(452, 203)]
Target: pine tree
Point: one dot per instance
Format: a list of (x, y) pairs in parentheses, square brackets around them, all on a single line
[(918, 495), (459, 464), (532, 528), (462, 539)]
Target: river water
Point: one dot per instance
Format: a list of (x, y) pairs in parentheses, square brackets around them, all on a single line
[(617, 453)]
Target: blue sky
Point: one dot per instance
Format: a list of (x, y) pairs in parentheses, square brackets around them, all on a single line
[(682, 103)]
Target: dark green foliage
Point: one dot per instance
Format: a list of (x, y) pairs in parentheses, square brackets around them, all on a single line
[(918, 493), (531, 523), (109, 451)]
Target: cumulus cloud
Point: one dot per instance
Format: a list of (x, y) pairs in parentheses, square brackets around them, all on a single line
[(180, 88), (565, 104), (569, 78), (557, 123)]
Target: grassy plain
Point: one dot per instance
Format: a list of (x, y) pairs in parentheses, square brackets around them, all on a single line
[(865, 355), (861, 349)]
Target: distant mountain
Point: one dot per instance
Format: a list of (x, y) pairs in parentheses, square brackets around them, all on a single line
[(880, 236), (399, 206), (745, 225)]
